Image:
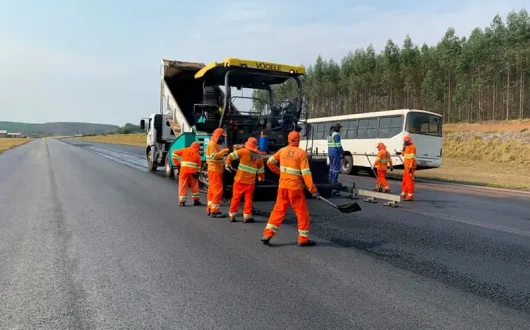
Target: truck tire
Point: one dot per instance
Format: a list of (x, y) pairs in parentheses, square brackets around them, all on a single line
[(151, 166), (346, 165), (168, 168)]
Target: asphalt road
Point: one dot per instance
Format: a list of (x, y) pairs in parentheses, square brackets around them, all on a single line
[(90, 240)]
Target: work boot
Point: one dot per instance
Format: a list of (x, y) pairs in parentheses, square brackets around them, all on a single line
[(308, 243), (265, 240), (217, 215), (249, 220), (182, 204), (232, 219), (197, 203)]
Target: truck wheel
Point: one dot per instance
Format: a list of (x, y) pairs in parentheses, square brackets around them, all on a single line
[(346, 165), (150, 161), (168, 169)]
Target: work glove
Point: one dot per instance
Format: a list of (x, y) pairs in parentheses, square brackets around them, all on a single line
[(315, 195), (229, 168)]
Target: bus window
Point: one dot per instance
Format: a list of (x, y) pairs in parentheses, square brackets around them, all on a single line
[(372, 128), (319, 131), (363, 129), (390, 126), (327, 129), (351, 130), (423, 123)]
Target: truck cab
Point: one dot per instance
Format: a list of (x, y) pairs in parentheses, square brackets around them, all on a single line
[(158, 139)]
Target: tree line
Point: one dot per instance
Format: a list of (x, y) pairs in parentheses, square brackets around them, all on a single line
[(485, 76)]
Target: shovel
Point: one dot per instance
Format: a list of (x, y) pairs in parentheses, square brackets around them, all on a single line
[(346, 208)]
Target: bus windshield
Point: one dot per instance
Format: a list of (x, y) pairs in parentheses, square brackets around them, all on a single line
[(423, 123)]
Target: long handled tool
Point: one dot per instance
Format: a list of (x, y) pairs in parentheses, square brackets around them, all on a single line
[(401, 159), (346, 208), (371, 167)]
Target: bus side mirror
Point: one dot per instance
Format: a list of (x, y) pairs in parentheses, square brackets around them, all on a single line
[(142, 124)]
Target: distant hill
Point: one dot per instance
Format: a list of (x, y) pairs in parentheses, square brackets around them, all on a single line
[(58, 128)]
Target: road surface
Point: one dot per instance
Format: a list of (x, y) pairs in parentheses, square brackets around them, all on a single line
[(90, 242)]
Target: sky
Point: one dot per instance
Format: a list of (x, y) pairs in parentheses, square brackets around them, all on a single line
[(99, 61)]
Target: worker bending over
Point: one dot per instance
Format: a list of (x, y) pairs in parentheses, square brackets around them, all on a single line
[(335, 153), (190, 166), (409, 162), (294, 172), (250, 165), (382, 163), (215, 161)]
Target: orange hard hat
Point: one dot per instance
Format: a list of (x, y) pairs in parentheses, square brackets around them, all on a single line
[(294, 137), (217, 133), (406, 138), (252, 144), (381, 145), (196, 146)]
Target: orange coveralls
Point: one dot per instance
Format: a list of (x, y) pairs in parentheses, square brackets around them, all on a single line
[(250, 165), (294, 172), (214, 159), (383, 162), (409, 160), (189, 166)]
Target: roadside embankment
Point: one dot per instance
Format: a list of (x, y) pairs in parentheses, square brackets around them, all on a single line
[(9, 143)]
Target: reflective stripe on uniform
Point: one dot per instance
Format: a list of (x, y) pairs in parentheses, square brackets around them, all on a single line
[(247, 216), (261, 170), (304, 233), (272, 160), (209, 203), (234, 155), (271, 227), (331, 141), (409, 156), (214, 206), (248, 169), (305, 171), (188, 164), (290, 170), (195, 194), (182, 198), (232, 214)]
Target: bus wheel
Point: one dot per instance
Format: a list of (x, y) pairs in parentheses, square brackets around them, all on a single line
[(346, 165)]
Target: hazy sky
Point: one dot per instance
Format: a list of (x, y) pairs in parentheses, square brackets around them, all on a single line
[(99, 61)]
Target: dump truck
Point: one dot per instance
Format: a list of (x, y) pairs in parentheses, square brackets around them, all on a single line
[(193, 104)]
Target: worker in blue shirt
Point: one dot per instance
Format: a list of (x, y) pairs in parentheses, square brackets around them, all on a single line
[(335, 153)]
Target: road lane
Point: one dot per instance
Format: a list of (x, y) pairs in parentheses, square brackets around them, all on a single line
[(87, 242)]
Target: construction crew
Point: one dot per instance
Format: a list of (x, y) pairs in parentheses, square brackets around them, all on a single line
[(409, 162), (335, 153), (250, 165), (294, 172), (190, 166), (382, 163), (214, 159)]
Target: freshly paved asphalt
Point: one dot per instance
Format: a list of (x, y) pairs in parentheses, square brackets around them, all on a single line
[(90, 240)]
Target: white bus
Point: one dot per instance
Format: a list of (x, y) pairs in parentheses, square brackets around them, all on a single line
[(360, 134)]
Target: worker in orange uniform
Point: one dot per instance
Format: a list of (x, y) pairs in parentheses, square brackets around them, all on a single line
[(382, 163), (250, 166), (214, 159), (409, 160), (294, 172), (190, 166)]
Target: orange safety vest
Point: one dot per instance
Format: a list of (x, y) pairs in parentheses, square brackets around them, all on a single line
[(191, 160), (383, 160), (294, 168), (250, 165), (214, 157), (409, 156)]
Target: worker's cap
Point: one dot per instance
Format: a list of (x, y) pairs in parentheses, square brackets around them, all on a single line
[(381, 145), (406, 138), (294, 137), (218, 132), (252, 144), (196, 145)]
